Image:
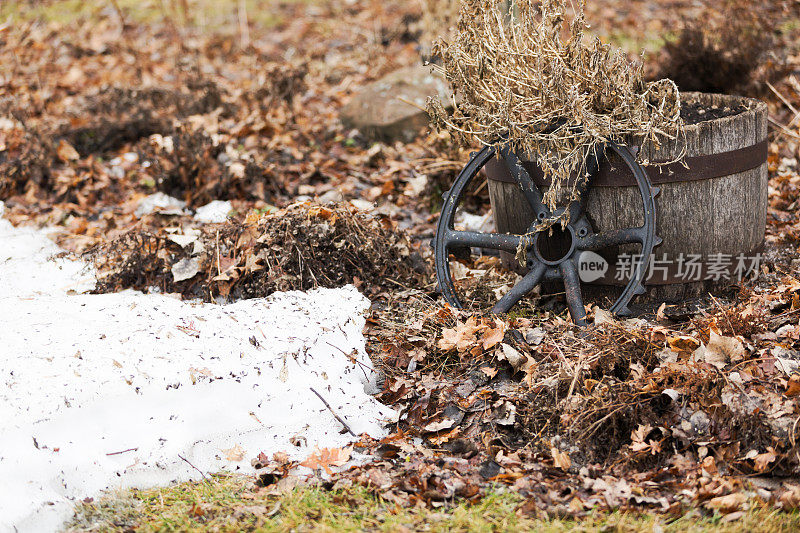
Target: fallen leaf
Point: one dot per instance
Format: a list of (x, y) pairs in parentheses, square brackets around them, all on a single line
[(683, 343), (66, 152), (324, 458), (638, 443), (709, 464), (489, 371), (727, 504), (324, 213), (460, 337), (732, 517), (560, 459), (493, 336), (444, 423), (235, 454), (793, 386), (720, 350), (603, 316), (763, 460), (791, 498), (510, 354), (184, 269), (281, 458)]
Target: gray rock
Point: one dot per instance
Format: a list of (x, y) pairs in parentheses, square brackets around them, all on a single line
[(379, 112)]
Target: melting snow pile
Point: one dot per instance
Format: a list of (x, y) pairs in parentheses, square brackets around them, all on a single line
[(106, 391)]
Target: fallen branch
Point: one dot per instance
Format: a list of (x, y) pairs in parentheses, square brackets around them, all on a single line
[(783, 129), (190, 464), (123, 451), (340, 419)]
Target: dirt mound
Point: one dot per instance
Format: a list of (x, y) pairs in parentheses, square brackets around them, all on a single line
[(299, 248), (117, 116)]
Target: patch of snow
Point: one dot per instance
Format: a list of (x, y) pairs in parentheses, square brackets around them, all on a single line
[(332, 196), (161, 203), (361, 204), (214, 212), (466, 221), (110, 391), (27, 270)]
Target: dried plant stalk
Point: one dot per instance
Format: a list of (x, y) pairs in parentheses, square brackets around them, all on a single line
[(553, 99)]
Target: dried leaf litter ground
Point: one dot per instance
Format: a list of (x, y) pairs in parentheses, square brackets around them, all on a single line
[(675, 410)]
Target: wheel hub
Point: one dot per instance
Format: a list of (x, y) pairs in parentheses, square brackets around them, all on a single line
[(554, 245)]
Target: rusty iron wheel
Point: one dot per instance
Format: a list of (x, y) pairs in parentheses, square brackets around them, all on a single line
[(579, 233)]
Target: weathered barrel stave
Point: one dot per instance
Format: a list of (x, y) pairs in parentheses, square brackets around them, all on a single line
[(721, 215)]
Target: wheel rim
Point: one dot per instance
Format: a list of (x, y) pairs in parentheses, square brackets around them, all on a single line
[(540, 269)]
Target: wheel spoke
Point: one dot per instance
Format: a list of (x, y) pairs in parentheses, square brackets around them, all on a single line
[(493, 241), (598, 241), (525, 181), (519, 290), (572, 290), (592, 167)]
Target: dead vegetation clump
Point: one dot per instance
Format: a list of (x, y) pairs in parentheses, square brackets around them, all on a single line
[(25, 159), (135, 259), (191, 165), (299, 248), (554, 99), (733, 46), (118, 116), (283, 83), (630, 395), (190, 141), (305, 247)]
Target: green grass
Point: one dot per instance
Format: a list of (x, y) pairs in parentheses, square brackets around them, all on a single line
[(204, 14), (230, 503), (649, 42)]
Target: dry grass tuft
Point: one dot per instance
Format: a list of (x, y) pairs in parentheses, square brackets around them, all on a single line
[(555, 99)]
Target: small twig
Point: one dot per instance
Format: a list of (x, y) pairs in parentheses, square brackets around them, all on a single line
[(722, 311), (783, 99), (119, 12), (787, 104), (190, 464), (244, 28), (219, 270), (575, 378), (784, 129), (123, 451), (351, 357), (340, 419), (409, 102)]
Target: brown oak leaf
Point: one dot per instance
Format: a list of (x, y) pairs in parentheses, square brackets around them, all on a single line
[(324, 458)]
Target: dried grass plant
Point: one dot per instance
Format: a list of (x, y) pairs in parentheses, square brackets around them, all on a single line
[(555, 94)]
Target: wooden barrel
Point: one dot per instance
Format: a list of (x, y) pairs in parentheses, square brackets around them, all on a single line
[(711, 215)]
